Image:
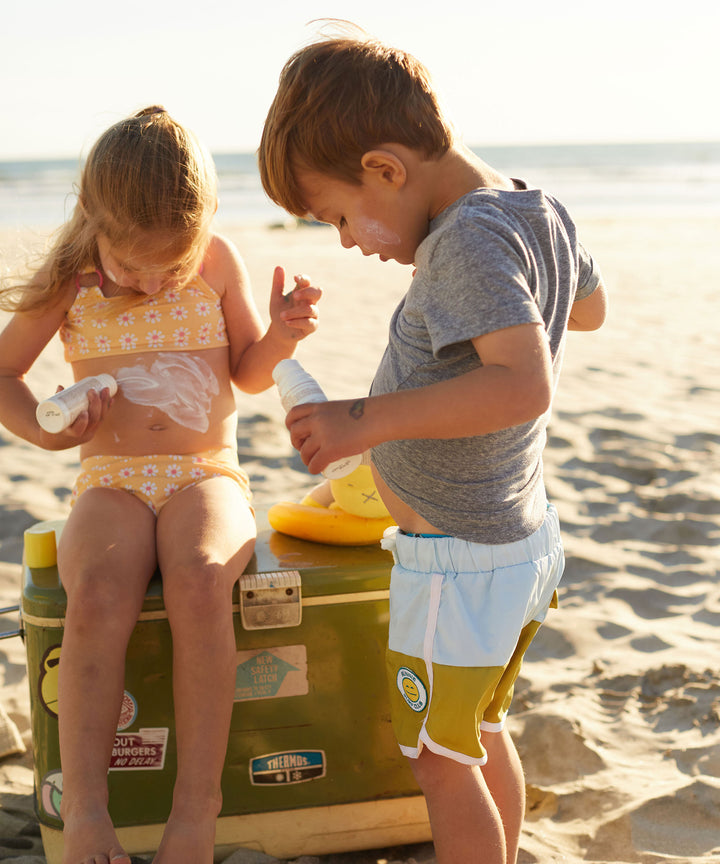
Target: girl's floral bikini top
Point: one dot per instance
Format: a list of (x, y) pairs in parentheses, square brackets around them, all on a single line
[(174, 319)]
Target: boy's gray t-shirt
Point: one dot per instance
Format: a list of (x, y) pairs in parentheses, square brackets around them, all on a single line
[(493, 259)]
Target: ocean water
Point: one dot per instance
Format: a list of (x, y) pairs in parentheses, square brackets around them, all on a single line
[(602, 180)]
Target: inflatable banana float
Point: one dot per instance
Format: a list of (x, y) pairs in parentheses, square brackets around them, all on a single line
[(355, 516)]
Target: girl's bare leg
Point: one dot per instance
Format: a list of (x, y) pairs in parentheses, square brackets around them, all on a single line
[(206, 536), (106, 557)]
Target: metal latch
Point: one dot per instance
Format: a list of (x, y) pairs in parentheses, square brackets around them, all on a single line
[(269, 600)]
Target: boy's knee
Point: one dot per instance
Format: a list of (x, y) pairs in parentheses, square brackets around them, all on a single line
[(434, 772)]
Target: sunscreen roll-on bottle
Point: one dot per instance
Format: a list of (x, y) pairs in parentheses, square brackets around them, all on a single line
[(61, 410), (296, 387)]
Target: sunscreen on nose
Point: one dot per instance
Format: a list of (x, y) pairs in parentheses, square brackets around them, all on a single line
[(62, 410), (296, 387)]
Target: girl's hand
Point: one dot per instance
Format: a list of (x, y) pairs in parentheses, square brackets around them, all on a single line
[(294, 315), (85, 425)]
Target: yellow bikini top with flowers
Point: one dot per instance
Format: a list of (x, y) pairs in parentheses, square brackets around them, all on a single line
[(174, 319)]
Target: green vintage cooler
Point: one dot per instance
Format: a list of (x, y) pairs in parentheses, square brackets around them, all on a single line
[(312, 765)]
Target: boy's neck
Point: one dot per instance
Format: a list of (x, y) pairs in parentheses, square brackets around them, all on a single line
[(458, 172)]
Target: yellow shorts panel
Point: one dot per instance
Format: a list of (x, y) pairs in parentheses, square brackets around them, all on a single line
[(450, 713)]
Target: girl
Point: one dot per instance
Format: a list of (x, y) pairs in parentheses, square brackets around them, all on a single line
[(140, 288)]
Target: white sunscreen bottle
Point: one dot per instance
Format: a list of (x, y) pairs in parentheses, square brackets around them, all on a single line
[(296, 387), (61, 410)]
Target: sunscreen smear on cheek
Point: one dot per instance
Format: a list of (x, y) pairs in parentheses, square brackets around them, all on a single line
[(373, 230)]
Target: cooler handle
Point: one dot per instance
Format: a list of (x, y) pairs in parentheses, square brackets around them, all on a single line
[(10, 633)]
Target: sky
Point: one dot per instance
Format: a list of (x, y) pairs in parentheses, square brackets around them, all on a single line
[(508, 71)]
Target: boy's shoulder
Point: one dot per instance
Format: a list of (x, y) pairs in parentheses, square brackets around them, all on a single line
[(488, 203), (487, 214)]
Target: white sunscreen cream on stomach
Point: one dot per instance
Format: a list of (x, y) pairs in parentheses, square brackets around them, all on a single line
[(180, 386), (62, 410), (297, 387)]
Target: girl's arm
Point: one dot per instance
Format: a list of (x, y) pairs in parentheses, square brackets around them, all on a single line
[(513, 386), (254, 351), (21, 342)]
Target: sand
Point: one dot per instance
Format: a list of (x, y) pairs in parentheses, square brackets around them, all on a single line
[(617, 713)]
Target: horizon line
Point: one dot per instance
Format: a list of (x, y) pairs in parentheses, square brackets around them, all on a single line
[(4, 159)]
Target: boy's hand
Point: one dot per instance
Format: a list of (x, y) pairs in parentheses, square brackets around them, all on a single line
[(294, 315), (325, 431)]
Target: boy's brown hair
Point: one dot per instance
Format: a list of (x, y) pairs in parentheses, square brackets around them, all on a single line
[(337, 99)]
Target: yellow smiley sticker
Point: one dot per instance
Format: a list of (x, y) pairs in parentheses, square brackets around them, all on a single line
[(48, 680), (412, 689)]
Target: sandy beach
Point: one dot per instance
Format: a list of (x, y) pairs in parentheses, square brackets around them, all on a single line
[(617, 712)]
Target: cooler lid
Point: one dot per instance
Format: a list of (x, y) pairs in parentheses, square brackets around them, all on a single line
[(324, 571)]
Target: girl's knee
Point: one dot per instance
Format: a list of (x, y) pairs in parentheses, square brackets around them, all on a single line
[(93, 609), (198, 590)]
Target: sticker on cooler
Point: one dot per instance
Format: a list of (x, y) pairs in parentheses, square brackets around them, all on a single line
[(51, 793), (271, 673), (284, 769), (128, 711), (143, 750), (48, 680)]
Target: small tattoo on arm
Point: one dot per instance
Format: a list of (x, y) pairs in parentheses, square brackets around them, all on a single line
[(357, 409)]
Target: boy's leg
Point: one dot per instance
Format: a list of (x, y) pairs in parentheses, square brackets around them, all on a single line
[(504, 776), (206, 536), (106, 557), (466, 824)]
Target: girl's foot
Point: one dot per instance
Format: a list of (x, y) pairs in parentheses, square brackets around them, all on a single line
[(187, 841), (90, 839)]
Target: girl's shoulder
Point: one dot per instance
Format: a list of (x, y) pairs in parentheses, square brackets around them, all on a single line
[(222, 265), (58, 301)]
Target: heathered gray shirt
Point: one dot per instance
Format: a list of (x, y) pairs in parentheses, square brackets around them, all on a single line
[(493, 259)]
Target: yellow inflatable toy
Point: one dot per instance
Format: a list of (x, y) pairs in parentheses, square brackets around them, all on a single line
[(344, 512)]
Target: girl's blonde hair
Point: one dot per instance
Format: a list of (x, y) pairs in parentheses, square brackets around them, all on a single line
[(338, 98), (146, 176)]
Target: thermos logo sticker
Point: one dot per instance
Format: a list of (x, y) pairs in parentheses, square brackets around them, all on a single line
[(143, 750), (271, 673), (412, 689), (284, 769)]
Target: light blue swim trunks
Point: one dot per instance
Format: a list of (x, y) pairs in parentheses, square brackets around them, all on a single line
[(462, 616)]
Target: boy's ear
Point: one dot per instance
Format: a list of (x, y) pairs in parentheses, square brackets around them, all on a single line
[(385, 166)]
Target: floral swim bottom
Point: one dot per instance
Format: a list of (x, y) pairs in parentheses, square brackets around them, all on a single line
[(156, 478)]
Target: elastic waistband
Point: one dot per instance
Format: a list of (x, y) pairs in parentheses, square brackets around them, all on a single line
[(424, 536), (451, 554)]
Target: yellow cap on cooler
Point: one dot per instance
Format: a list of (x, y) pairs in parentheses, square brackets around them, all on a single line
[(40, 546)]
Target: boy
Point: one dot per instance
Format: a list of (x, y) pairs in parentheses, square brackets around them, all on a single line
[(458, 409)]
